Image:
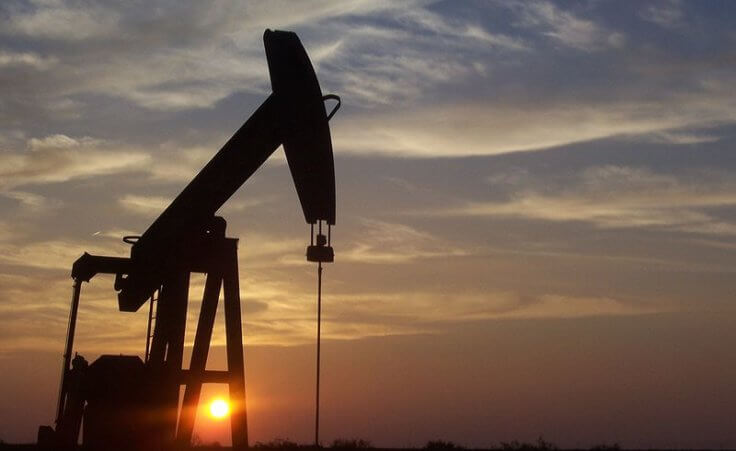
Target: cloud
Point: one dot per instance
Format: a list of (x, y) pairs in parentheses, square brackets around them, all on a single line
[(620, 197), (50, 254), (32, 325), (30, 59), (181, 57), (559, 306), (565, 27), (42, 325), (667, 14), (31, 202), (389, 78), (278, 314), (499, 40), (349, 316), (179, 164), (404, 54), (388, 243), (685, 138), (371, 242), (144, 205), (473, 128), (195, 56), (60, 158), (379, 314), (417, 80), (8, 232), (425, 20), (62, 21), (376, 54), (56, 142)]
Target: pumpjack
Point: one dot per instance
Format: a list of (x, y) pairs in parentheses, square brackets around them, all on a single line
[(125, 402)]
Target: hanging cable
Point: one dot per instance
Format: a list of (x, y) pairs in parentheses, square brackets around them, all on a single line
[(319, 251), (319, 336), (319, 339)]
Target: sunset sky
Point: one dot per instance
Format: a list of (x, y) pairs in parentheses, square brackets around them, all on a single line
[(536, 213)]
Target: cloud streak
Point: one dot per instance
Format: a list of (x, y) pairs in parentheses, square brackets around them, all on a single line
[(620, 197), (60, 158), (565, 27), (387, 243), (144, 205), (483, 129)]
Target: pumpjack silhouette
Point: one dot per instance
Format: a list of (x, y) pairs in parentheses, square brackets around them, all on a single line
[(125, 402)]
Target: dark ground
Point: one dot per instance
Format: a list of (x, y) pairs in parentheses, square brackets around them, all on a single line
[(506, 446)]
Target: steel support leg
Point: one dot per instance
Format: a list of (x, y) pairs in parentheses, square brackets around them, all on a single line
[(199, 357), (77, 288), (235, 359), (169, 337)]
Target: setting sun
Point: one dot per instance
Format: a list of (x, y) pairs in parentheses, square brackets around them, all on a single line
[(219, 408)]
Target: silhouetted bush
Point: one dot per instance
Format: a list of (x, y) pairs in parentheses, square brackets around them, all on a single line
[(197, 442), (606, 447), (541, 444), (352, 443), (441, 445), (278, 443)]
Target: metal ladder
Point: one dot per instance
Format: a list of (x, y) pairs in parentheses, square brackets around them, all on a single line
[(151, 319)]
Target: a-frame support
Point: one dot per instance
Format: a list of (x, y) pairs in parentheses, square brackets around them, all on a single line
[(221, 267)]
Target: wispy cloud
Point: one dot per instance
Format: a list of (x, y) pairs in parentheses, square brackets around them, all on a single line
[(62, 20), (685, 138), (51, 254), (354, 316), (388, 243), (667, 13), (418, 79), (144, 205), (194, 55), (410, 53), (60, 158), (425, 20), (32, 202), (19, 59), (566, 27), (621, 197), (487, 129), (357, 316)]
